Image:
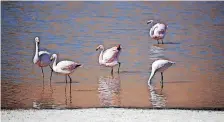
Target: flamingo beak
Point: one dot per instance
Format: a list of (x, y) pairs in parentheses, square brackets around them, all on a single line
[(51, 58), (119, 47), (97, 49), (80, 65)]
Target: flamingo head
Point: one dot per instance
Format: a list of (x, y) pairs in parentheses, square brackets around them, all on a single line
[(173, 63), (119, 47), (166, 26), (53, 57), (100, 47), (150, 21), (37, 40)]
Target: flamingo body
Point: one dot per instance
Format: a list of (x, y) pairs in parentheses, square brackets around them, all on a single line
[(41, 58), (64, 67), (159, 66), (158, 31), (109, 57), (44, 59)]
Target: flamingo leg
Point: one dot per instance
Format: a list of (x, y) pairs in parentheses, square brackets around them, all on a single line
[(161, 79), (119, 64), (70, 91), (162, 41), (51, 73), (70, 78), (66, 78), (42, 72), (66, 93), (158, 41), (112, 71)]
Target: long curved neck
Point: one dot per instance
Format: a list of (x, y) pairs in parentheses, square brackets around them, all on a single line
[(151, 32), (101, 55), (54, 64), (152, 29), (36, 57), (151, 76)]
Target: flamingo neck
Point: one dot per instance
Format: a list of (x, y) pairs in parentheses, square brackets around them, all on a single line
[(101, 56), (151, 32), (151, 76), (35, 59), (54, 64)]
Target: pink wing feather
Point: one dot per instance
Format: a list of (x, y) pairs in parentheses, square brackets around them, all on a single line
[(71, 66)]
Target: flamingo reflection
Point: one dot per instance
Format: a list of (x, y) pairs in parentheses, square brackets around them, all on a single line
[(46, 99), (109, 91), (156, 52), (70, 94), (158, 100)]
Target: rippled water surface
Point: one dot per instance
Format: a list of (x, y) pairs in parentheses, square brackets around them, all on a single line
[(194, 40)]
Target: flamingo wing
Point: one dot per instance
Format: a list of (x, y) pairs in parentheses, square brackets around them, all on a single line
[(153, 29), (158, 30), (110, 55), (162, 64), (162, 28), (44, 58), (68, 65), (43, 52)]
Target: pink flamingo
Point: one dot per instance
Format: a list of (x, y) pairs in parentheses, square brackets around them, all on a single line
[(64, 67), (109, 57), (157, 31)]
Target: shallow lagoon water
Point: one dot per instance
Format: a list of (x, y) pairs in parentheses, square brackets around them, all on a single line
[(73, 30)]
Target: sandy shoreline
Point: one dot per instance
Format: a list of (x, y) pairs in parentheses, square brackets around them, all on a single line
[(110, 114)]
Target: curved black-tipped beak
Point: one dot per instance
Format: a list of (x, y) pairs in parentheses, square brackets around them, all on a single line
[(96, 49), (119, 47), (78, 65)]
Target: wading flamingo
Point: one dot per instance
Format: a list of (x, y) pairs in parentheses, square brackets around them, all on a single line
[(64, 67), (157, 31), (109, 57), (159, 66), (41, 58)]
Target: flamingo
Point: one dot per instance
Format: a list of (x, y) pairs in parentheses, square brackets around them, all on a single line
[(64, 67), (109, 57), (159, 66), (41, 58), (157, 31)]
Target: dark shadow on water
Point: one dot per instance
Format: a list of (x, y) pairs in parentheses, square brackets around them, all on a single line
[(171, 43), (73, 82), (130, 72), (165, 43), (85, 90), (179, 82), (162, 46)]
